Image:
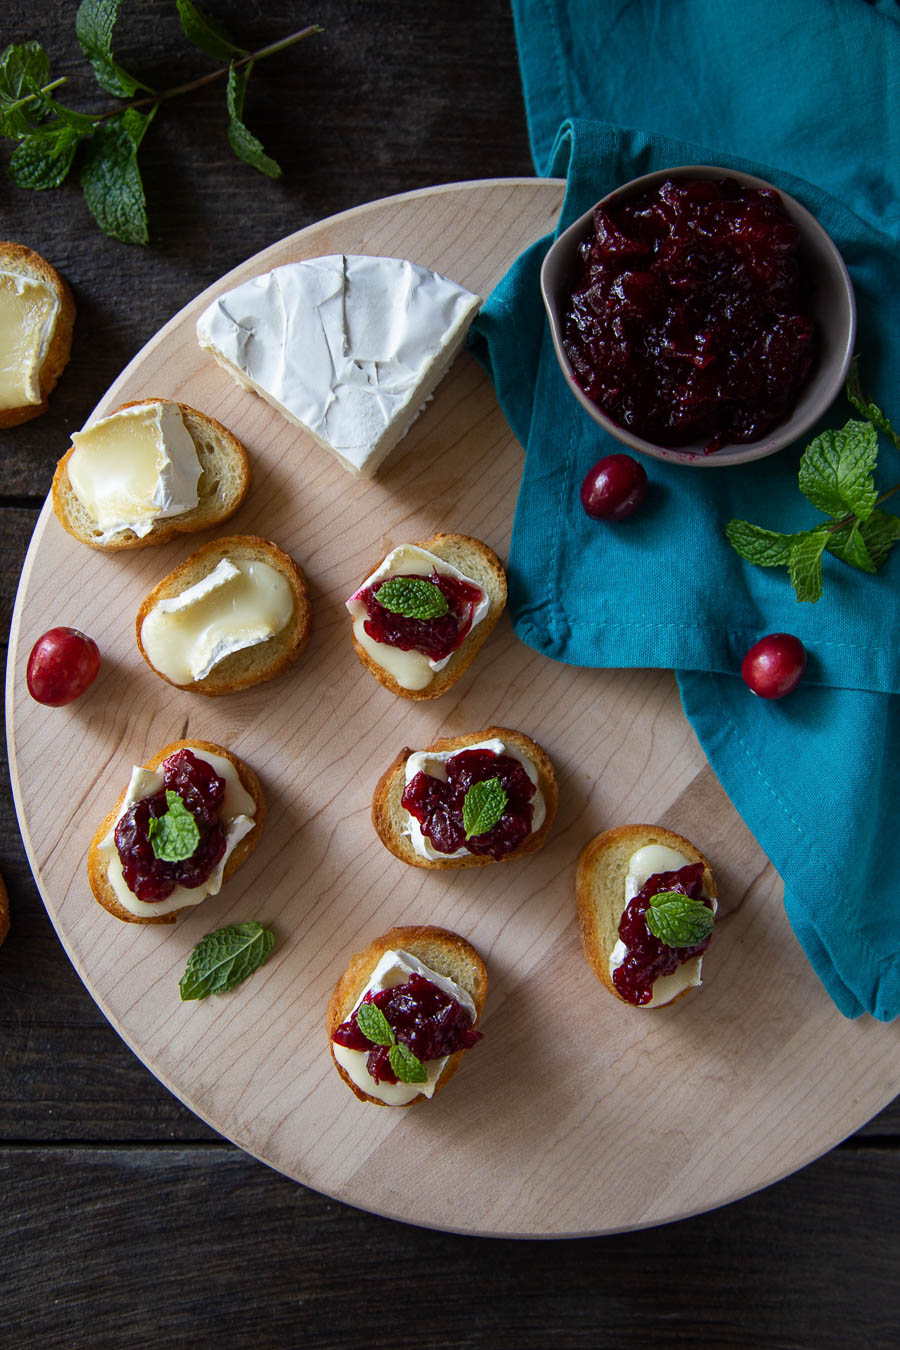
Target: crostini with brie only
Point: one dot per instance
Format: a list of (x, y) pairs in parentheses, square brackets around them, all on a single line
[(186, 822), (147, 472), (421, 616), (646, 900), (465, 801), (37, 315), (234, 614), (424, 990)]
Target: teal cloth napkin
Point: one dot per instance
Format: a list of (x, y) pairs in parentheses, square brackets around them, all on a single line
[(815, 776)]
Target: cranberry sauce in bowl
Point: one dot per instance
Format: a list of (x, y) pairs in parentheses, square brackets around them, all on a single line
[(646, 957), (426, 1019), (700, 316), (438, 805), (688, 318)]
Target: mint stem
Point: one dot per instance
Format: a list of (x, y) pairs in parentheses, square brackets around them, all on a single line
[(214, 75), (29, 98), (848, 520)]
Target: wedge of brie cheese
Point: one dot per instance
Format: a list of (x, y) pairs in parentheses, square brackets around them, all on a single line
[(29, 309), (135, 467), (238, 605), (347, 347)]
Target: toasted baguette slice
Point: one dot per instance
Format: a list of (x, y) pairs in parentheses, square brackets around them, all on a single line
[(390, 818), (22, 261), (96, 863), (443, 952), (252, 665), (600, 890), (223, 485), (481, 564)]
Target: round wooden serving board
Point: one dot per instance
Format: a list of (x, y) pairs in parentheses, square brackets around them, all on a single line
[(575, 1114)]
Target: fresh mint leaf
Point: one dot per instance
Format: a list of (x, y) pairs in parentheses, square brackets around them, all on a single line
[(880, 532), (805, 564), (24, 71), (836, 470), (242, 141), (407, 1066), (848, 544), (43, 160), (766, 548), (207, 33), (870, 411), (94, 24), (412, 597), (111, 180), (174, 835), (483, 805), (677, 920), (225, 958), (374, 1025)]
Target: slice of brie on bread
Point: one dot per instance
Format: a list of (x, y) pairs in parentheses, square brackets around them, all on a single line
[(347, 347)]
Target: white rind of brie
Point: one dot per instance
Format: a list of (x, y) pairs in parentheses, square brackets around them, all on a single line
[(642, 865), (135, 467), (411, 670), (395, 967), (435, 763), (238, 605), (347, 347), (29, 309), (236, 814)]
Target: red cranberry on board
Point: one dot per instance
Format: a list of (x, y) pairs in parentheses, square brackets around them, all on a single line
[(62, 664), (774, 666), (613, 488)]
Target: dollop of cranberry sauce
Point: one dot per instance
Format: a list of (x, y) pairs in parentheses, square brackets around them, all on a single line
[(430, 1022), (687, 317), (438, 806), (646, 957), (202, 791), (434, 638)]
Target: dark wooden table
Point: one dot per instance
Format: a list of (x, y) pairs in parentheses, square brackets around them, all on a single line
[(125, 1220)]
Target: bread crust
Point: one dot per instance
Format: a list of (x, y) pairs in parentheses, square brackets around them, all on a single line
[(226, 677), (96, 863), (423, 941), (388, 814), (204, 516), (599, 911), (26, 261), (493, 574)]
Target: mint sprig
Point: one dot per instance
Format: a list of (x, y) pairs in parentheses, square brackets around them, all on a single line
[(837, 475), (376, 1028), (225, 958), (51, 138), (677, 920), (483, 806), (413, 598), (174, 835)]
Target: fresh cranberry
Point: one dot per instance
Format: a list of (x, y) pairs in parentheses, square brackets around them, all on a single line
[(646, 958), (613, 488), (430, 1022), (434, 638), (686, 321), (774, 666), (202, 791), (63, 663), (438, 806)]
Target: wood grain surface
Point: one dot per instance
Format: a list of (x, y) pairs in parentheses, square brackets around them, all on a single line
[(124, 1219), (568, 1083)]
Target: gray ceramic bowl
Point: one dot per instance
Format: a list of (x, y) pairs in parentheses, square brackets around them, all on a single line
[(831, 304)]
